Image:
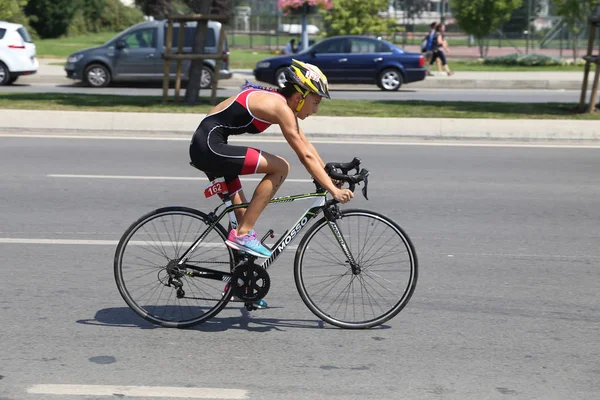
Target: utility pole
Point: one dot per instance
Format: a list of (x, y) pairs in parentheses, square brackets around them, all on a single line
[(528, 31)]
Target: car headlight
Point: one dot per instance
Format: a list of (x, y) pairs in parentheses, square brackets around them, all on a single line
[(263, 64), (74, 58)]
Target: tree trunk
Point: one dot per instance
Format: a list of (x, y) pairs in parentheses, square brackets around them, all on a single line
[(192, 92), (484, 46)]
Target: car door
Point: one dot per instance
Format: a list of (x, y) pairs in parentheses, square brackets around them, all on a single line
[(364, 60), (139, 58), (330, 56)]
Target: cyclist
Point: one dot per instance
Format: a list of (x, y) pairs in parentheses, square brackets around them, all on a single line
[(252, 111)]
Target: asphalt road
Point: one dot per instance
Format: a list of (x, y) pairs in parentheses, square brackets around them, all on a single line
[(57, 84), (506, 305)]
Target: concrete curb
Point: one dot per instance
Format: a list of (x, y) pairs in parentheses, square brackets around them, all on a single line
[(340, 127)]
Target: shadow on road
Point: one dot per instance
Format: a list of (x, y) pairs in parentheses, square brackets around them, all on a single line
[(248, 321)]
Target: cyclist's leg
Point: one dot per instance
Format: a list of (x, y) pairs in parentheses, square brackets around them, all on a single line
[(236, 193), (276, 170)]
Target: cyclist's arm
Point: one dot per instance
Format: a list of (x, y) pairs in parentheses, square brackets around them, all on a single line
[(311, 147), (277, 112)]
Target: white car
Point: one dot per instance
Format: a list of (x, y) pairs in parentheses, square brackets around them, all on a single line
[(17, 53)]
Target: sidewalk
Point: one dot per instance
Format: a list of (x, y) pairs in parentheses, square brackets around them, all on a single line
[(378, 129), (466, 80), (460, 80)]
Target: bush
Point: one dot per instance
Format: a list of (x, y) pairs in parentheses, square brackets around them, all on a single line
[(103, 16), (508, 60), (515, 59)]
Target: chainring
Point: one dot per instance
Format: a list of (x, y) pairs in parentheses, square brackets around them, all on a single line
[(250, 282)]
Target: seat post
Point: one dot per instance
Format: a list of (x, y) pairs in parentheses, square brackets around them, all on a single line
[(228, 203)]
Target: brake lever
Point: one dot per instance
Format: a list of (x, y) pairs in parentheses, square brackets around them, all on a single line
[(366, 181)]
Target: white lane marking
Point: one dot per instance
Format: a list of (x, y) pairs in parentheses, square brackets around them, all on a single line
[(341, 141), (96, 242), (139, 391), (171, 178), (110, 242)]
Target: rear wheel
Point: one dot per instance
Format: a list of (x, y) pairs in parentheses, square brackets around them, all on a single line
[(12, 80), (4, 74), (390, 79), (206, 79), (151, 281), (97, 75)]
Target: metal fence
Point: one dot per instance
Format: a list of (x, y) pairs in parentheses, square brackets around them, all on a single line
[(260, 25)]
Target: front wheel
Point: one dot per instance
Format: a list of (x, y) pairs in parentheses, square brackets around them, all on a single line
[(380, 285), (280, 78), (151, 282), (96, 75)]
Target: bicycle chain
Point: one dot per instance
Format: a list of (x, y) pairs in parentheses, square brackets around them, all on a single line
[(205, 298)]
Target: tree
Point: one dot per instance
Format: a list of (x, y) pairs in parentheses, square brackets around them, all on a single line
[(575, 14), (155, 8), (11, 10), (520, 18), (481, 17), (412, 8), (51, 18), (358, 17), (204, 7)]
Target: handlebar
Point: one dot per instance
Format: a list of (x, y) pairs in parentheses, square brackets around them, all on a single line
[(340, 171)]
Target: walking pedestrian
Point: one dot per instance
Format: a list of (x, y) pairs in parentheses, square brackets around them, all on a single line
[(439, 46)]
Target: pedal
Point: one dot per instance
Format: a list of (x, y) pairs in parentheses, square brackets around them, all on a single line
[(269, 234)]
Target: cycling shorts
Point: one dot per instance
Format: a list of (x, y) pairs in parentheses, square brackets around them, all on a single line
[(210, 153)]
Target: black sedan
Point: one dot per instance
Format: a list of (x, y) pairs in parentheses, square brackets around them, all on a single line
[(351, 59)]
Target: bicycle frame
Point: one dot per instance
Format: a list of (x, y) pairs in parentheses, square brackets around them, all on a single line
[(282, 243)]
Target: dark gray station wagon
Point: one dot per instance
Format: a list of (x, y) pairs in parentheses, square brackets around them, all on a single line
[(136, 55)]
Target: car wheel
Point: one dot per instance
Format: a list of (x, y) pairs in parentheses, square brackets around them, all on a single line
[(4, 74), (206, 79), (280, 79), (390, 79), (12, 80), (96, 75)]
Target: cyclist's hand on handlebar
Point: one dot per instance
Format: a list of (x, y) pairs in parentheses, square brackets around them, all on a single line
[(338, 183), (343, 195)]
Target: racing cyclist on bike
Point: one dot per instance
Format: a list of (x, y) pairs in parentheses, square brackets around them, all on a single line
[(252, 111)]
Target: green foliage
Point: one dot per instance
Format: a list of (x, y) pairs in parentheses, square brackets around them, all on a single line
[(357, 17), (481, 17), (103, 16), (530, 60), (51, 18), (518, 19), (156, 8), (575, 13), (11, 10)]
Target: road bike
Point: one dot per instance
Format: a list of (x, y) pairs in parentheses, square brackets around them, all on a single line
[(353, 268)]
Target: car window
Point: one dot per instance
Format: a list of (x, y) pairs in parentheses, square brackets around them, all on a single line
[(24, 35), (330, 46), (381, 47), (364, 46), (188, 37), (2, 32), (140, 39)]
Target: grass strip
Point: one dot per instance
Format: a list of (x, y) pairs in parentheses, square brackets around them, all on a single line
[(340, 108)]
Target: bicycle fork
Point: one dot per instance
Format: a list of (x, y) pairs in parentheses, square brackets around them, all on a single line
[(333, 214)]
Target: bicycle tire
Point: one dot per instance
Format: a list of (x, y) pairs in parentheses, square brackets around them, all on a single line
[(367, 253), (148, 236)]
